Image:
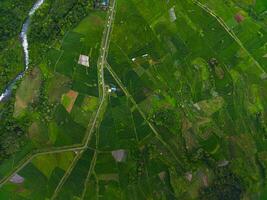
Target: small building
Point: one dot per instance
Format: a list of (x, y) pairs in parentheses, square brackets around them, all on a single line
[(112, 89), (172, 15), (101, 4), (84, 60)]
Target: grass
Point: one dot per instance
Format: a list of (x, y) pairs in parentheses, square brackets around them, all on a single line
[(189, 99), (182, 69), (40, 177), (89, 103), (60, 73), (28, 91), (73, 187)]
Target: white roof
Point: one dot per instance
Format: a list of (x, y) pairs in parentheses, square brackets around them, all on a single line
[(84, 60), (172, 14)]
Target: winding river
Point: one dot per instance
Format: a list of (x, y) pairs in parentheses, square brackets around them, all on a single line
[(24, 41)]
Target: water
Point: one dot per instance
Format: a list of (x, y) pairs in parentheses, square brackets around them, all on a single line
[(24, 41)]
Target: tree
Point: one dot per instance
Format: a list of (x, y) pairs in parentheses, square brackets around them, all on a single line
[(225, 186)]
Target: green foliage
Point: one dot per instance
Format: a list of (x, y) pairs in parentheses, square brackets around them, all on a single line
[(225, 186), (43, 107), (198, 119), (12, 132), (12, 15), (56, 17), (165, 117)]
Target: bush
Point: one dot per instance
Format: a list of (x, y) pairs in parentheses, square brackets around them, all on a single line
[(225, 186)]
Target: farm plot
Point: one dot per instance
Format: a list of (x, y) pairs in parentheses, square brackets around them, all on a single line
[(117, 129), (60, 97), (184, 108), (28, 91), (39, 178), (74, 185), (70, 83), (247, 20), (190, 77), (129, 160)]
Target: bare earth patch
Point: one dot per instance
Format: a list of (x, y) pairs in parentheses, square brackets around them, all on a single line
[(69, 99)]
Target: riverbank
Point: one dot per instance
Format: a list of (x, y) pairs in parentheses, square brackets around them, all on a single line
[(25, 45)]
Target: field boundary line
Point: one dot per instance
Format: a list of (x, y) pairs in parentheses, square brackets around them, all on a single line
[(67, 174), (86, 139), (101, 79), (32, 155), (88, 175), (80, 147), (157, 135), (229, 31)]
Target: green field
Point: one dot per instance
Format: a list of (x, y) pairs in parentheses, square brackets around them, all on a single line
[(39, 111), (173, 104), (40, 177)]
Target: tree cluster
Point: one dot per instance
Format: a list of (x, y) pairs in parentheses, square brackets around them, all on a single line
[(12, 15), (43, 107), (225, 186), (56, 17), (12, 131)]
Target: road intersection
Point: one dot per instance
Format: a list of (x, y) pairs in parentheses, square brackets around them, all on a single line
[(93, 124)]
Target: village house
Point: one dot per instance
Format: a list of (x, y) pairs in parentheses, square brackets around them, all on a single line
[(101, 4)]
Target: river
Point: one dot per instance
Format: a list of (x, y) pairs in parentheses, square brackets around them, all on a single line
[(24, 42)]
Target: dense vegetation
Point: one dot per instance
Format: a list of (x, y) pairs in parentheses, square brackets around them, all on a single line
[(12, 132), (48, 25), (225, 186), (185, 117), (51, 22), (56, 17), (12, 16)]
